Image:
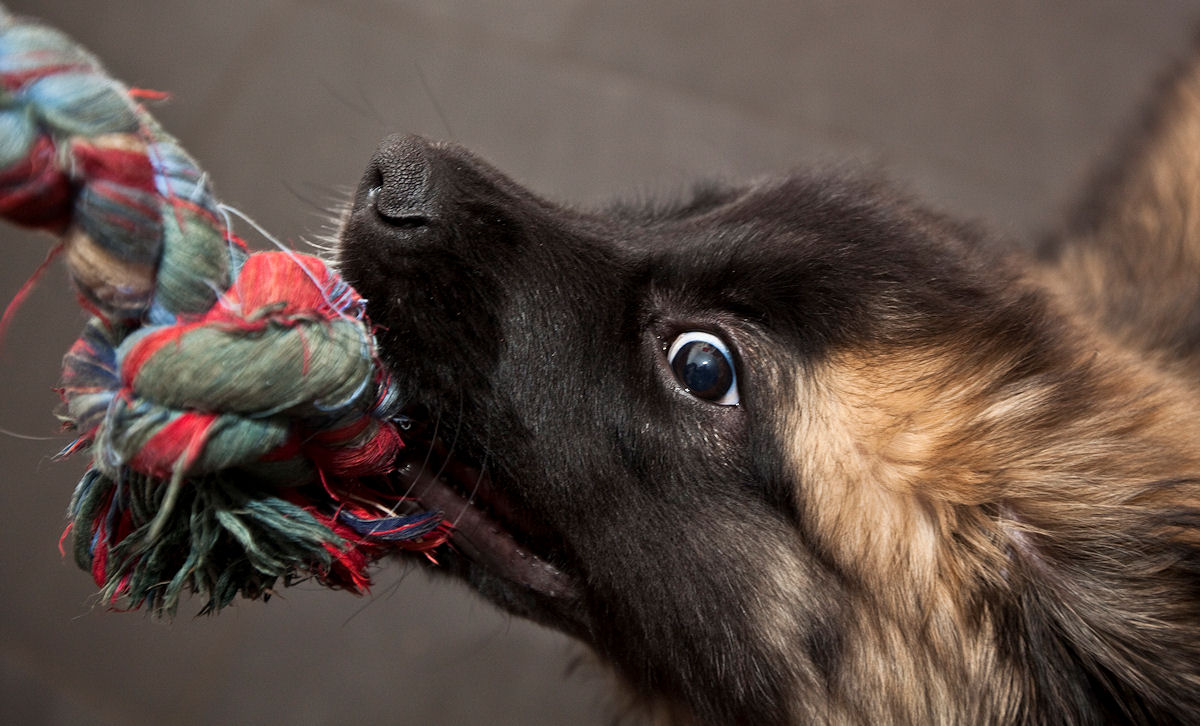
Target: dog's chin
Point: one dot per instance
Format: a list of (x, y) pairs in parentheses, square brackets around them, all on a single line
[(494, 546)]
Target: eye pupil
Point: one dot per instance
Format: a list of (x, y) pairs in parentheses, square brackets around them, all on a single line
[(702, 363), (703, 368)]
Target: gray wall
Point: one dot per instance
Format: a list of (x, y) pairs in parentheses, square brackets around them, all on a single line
[(991, 109)]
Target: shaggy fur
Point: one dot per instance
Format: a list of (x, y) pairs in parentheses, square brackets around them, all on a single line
[(961, 486)]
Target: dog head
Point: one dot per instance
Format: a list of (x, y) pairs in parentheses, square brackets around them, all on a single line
[(741, 445)]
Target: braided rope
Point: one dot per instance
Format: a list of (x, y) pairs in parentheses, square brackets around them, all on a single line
[(238, 419)]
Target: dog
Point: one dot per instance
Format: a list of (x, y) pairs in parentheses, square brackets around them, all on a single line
[(804, 451)]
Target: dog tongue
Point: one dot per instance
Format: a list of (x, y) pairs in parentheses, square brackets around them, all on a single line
[(482, 539)]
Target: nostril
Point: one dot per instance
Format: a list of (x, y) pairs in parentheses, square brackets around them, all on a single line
[(399, 186), (396, 218)]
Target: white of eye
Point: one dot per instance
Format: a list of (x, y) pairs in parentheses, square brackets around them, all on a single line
[(704, 367)]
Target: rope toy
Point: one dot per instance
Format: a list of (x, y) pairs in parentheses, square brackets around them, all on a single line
[(238, 420)]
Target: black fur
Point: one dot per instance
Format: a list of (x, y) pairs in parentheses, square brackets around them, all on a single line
[(532, 337)]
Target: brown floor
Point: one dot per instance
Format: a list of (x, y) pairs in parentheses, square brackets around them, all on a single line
[(992, 112)]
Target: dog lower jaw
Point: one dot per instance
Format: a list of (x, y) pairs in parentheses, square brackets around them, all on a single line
[(510, 573)]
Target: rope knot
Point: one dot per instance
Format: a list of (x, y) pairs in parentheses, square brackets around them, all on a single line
[(233, 402)]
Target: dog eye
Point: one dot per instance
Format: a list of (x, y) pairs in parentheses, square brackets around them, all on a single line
[(703, 364)]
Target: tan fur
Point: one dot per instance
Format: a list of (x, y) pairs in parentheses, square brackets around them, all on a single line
[(934, 475), (912, 442), (864, 495), (1131, 264), (988, 505)]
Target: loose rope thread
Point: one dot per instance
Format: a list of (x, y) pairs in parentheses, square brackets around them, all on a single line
[(239, 422)]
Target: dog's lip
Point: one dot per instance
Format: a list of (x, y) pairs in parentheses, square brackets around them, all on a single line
[(481, 538)]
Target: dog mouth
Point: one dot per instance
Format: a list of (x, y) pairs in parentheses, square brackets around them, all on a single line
[(497, 539)]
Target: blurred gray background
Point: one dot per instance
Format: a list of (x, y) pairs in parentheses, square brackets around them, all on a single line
[(992, 110)]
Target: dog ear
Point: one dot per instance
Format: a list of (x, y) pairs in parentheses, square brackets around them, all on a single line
[(1129, 258), (1109, 550)]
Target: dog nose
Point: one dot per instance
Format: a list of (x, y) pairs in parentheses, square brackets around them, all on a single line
[(400, 185)]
